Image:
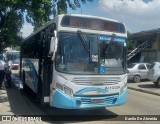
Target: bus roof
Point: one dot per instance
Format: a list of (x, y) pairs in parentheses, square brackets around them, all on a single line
[(61, 15), (90, 16)]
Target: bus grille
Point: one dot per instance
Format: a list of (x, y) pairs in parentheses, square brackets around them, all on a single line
[(108, 100), (98, 81)]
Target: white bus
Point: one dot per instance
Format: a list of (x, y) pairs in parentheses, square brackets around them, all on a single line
[(76, 62)]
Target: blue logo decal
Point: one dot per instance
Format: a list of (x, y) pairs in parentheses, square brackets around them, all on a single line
[(102, 70), (104, 38), (119, 40)]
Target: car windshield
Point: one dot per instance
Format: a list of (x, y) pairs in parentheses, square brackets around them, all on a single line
[(131, 65), (89, 54)]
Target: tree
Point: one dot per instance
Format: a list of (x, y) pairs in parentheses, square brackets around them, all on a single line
[(2, 17), (39, 11), (10, 30), (129, 41), (36, 12)]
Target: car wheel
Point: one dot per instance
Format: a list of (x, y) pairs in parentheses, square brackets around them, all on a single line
[(158, 83), (137, 79)]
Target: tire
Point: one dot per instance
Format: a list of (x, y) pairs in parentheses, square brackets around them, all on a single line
[(136, 78), (158, 82)]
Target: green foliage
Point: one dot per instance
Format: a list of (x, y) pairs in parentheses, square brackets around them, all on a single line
[(10, 31), (37, 12), (129, 41)]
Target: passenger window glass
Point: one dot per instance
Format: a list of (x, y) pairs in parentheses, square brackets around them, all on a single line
[(152, 65), (148, 66), (141, 67)]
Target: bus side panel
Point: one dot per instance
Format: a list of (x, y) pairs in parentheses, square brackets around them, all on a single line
[(30, 67)]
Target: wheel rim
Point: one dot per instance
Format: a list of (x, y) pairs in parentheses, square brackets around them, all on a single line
[(137, 79)]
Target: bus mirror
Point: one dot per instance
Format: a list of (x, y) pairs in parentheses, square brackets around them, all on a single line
[(53, 43), (53, 47)]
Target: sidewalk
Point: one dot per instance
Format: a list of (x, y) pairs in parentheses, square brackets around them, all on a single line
[(145, 86)]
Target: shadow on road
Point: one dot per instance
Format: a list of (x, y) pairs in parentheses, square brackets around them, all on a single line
[(73, 116), (143, 80), (148, 86), (19, 105)]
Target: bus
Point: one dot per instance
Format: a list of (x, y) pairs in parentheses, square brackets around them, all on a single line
[(12, 58), (76, 61)]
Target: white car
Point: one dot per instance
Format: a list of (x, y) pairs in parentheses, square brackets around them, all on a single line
[(138, 71), (154, 73)]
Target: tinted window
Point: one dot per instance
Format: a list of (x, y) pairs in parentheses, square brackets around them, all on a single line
[(141, 67), (152, 65), (131, 65)]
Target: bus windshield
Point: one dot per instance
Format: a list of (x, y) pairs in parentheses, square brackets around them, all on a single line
[(103, 55), (12, 56)]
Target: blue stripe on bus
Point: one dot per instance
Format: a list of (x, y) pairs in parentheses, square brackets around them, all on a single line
[(60, 100), (88, 89)]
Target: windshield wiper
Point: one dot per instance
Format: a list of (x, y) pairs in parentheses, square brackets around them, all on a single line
[(107, 44), (83, 40), (112, 40)]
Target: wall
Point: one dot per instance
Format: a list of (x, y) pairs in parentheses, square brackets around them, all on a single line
[(158, 56), (149, 56)]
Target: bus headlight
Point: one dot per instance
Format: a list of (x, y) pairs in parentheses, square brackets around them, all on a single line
[(59, 86), (68, 91)]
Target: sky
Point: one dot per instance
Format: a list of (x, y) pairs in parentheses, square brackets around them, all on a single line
[(137, 15)]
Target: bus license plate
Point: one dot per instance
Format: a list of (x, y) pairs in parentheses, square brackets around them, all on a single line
[(96, 101)]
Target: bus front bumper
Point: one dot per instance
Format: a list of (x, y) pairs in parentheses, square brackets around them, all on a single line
[(60, 100)]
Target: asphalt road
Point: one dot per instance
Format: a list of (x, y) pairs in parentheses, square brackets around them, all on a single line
[(139, 103), (17, 103)]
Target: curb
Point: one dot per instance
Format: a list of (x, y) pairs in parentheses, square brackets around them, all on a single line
[(144, 91)]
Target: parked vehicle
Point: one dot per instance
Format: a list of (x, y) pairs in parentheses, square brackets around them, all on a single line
[(12, 58), (154, 73), (15, 64), (138, 71)]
